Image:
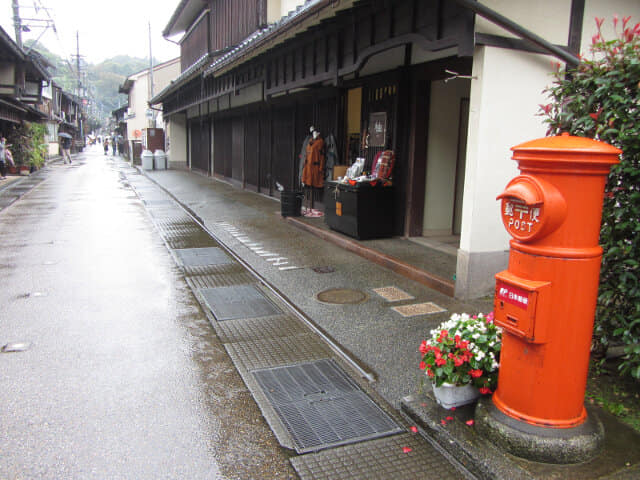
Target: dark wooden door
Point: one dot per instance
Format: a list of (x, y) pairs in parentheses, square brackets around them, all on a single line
[(199, 142)]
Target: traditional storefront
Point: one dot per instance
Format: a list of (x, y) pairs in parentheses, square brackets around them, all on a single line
[(428, 80)]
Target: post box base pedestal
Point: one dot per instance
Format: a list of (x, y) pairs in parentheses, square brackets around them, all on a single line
[(548, 445)]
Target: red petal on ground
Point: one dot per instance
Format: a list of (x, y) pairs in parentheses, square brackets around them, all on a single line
[(470, 422), (414, 429), (406, 449)]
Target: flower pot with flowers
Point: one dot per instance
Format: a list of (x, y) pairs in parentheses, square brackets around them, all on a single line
[(461, 357)]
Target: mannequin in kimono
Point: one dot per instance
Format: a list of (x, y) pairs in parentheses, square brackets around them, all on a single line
[(313, 171)]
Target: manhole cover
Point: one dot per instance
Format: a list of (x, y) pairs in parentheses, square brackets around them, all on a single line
[(321, 407), (342, 296)]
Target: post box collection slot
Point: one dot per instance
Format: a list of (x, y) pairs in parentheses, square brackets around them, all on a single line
[(512, 319)]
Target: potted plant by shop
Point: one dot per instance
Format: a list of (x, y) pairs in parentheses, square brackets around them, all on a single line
[(461, 358), (28, 146)]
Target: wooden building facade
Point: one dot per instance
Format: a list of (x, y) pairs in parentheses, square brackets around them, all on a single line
[(454, 83), (249, 108)]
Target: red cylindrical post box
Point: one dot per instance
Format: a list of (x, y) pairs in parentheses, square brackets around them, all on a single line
[(545, 301)]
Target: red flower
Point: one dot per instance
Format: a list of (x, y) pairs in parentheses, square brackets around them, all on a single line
[(615, 20), (422, 365), (484, 390), (475, 373), (430, 373), (440, 362), (625, 20), (424, 348), (470, 422), (406, 449), (458, 361), (449, 418), (599, 22)]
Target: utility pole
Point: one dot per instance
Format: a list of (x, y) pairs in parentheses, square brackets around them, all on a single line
[(17, 23), (152, 120), (78, 62), (79, 92)]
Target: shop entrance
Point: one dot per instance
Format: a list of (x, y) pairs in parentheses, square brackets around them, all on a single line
[(446, 155)]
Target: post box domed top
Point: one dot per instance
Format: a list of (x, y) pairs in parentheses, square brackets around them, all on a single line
[(566, 142), (566, 153)]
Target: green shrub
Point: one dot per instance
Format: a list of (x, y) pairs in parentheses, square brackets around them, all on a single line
[(600, 99), (28, 144)]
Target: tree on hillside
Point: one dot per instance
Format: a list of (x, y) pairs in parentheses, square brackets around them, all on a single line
[(103, 79)]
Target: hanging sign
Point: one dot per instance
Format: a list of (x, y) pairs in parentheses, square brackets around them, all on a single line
[(377, 129)]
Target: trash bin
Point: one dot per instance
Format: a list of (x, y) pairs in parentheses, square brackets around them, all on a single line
[(160, 159), (147, 160), (291, 203)]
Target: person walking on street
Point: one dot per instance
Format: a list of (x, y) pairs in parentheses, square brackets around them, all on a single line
[(106, 146), (3, 163), (114, 145), (66, 149)]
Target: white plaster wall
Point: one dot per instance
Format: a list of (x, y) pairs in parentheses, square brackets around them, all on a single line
[(442, 151), (276, 9), (503, 113), (177, 134), (548, 19), (251, 94), (287, 6), (138, 97), (383, 61)]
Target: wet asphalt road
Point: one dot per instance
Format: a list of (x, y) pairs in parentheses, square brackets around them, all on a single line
[(124, 376)]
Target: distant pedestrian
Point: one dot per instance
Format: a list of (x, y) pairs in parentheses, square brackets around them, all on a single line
[(106, 146), (114, 146), (3, 163), (66, 149)]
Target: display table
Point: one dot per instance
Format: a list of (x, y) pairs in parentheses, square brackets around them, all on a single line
[(362, 211)]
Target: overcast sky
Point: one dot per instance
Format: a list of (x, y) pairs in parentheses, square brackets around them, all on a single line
[(106, 28)]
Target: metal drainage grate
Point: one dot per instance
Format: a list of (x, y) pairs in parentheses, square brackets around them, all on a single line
[(238, 301), (342, 296), (321, 407), (191, 257)]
